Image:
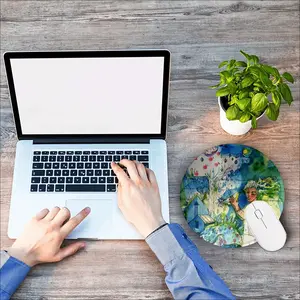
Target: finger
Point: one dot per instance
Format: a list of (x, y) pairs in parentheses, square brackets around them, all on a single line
[(131, 168), (63, 215), (54, 211), (141, 170), (69, 250), (74, 222), (151, 177), (120, 173), (42, 214)]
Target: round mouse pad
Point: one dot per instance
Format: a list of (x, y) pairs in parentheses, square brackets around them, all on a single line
[(218, 186)]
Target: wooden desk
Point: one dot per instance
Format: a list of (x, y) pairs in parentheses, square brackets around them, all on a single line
[(199, 34)]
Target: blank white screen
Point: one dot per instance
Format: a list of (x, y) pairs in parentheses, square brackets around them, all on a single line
[(89, 95)]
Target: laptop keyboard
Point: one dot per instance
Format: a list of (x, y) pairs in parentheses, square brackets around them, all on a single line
[(79, 171)]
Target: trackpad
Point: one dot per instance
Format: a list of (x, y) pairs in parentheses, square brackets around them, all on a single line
[(97, 223)]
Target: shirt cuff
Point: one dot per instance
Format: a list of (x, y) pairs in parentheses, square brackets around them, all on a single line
[(12, 273), (164, 244)]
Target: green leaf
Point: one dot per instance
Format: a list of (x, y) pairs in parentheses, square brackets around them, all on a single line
[(241, 64), (243, 103), (256, 71), (271, 70), (232, 87), (259, 102), (246, 55), (233, 100), (245, 117), (254, 122), (288, 77), (244, 94), (222, 64), (272, 112), (233, 113), (266, 81), (226, 74), (276, 97), (286, 93), (247, 81), (258, 84), (224, 91), (255, 59), (214, 86)]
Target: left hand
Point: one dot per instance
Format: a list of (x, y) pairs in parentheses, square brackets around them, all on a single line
[(43, 235)]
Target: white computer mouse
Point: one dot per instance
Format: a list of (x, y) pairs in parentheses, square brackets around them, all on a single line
[(265, 226)]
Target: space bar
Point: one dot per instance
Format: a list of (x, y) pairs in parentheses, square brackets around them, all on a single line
[(85, 188)]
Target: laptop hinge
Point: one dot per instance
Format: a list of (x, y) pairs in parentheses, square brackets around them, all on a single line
[(93, 141)]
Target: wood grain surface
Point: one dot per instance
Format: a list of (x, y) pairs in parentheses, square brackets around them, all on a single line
[(199, 34)]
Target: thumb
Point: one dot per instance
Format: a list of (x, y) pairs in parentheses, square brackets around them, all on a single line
[(69, 250)]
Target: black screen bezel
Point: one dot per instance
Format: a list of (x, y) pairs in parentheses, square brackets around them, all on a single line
[(78, 54)]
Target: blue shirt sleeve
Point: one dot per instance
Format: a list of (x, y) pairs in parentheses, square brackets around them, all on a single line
[(188, 275), (12, 274)]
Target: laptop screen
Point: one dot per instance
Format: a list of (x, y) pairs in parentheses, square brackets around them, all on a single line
[(89, 95)]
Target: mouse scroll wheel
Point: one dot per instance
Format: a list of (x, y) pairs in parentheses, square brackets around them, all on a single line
[(258, 214)]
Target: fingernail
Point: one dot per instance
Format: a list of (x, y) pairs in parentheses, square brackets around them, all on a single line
[(82, 245), (87, 209)]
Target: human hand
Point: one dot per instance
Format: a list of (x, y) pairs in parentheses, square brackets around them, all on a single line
[(43, 235), (233, 201), (138, 196)]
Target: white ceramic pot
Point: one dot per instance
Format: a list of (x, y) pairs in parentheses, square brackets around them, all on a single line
[(233, 127)]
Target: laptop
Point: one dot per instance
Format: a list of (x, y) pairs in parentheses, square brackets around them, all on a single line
[(76, 112)]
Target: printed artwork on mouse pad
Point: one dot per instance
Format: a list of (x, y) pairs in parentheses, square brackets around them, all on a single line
[(218, 186)]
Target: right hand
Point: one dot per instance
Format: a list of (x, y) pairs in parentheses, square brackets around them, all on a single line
[(138, 196)]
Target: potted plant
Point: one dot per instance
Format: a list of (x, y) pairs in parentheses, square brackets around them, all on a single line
[(247, 91)]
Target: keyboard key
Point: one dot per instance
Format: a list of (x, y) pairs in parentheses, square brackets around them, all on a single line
[(76, 158), (116, 180), (47, 165), (128, 152), (55, 166), (84, 158), (52, 179), (104, 165), (111, 152), (35, 179), (95, 152), (98, 172), (37, 166), (145, 152), (45, 179), (143, 158), (132, 157), (37, 152), (50, 187), (111, 187), (90, 173), (44, 158), (88, 165), (36, 158), (106, 173), (59, 188), (38, 173), (92, 158), (78, 152), (102, 180), (110, 180), (93, 179), (72, 165), (63, 165), (100, 158), (103, 152), (117, 158), (45, 152), (124, 157), (73, 172), (79, 165), (68, 158), (69, 180), (112, 173), (85, 179), (42, 187), (86, 152), (65, 173), (52, 158), (77, 180), (70, 152), (136, 152), (120, 152), (49, 173), (146, 165), (61, 180), (96, 165), (81, 173), (33, 188), (57, 173), (60, 158), (61, 152), (85, 188), (53, 152), (108, 158)]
